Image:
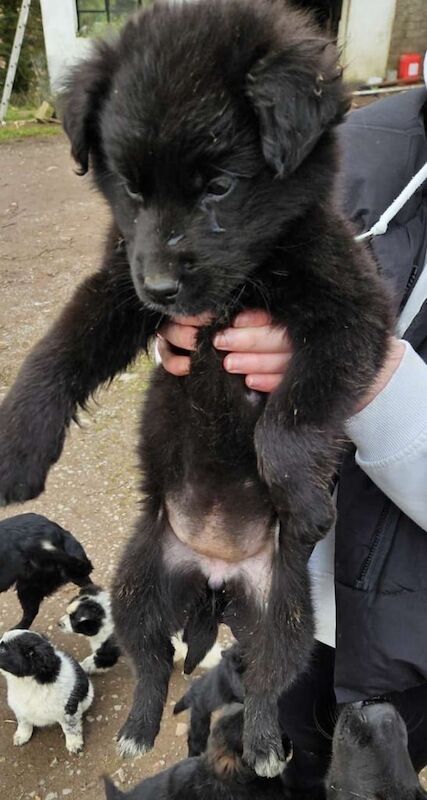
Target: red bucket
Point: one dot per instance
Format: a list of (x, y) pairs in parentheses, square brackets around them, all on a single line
[(410, 67)]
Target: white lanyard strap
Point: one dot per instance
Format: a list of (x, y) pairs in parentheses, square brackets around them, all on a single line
[(381, 226)]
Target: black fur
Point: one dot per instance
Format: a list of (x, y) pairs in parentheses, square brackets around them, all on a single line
[(35, 571), (79, 690), (108, 654), (220, 774), (30, 655), (221, 686), (209, 129), (370, 756)]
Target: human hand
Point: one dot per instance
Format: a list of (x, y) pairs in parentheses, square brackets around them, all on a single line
[(255, 347)]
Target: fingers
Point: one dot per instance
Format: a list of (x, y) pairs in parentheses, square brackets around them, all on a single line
[(263, 383), (176, 365), (262, 339), (252, 318), (183, 336), (257, 363)]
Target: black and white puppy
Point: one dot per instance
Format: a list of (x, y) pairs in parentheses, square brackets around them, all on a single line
[(370, 756), (89, 614), (219, 774), (44, 686), (220, 686), (38, 556)]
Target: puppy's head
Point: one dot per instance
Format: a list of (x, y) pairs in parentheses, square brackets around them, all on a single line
[(370, 756), (26, 654), (208, 129), (225, 747), (86, 613)]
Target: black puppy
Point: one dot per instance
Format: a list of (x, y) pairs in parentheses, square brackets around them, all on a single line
[(370, 756), (220, 774), (38, 556), (219, 687), (209, 129)]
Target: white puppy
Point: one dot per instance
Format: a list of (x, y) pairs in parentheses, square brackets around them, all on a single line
[(44, 686)]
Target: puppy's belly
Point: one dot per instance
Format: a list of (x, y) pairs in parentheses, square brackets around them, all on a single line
[(228, 535), (254, 571)]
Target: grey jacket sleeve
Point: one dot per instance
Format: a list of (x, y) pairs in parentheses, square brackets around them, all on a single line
[(390, 435)]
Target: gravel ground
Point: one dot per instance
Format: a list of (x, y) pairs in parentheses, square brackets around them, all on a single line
[(51, 230)]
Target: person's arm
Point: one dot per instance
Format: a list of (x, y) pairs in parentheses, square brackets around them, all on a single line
[(390, 434), (390, 428)]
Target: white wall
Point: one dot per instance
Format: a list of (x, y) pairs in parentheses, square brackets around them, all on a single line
[(365, 35), (63, 46)]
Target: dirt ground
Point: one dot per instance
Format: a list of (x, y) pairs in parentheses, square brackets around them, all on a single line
[(51, 230)]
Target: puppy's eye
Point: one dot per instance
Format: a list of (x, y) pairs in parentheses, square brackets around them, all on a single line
[(133, 193), (220, 187)]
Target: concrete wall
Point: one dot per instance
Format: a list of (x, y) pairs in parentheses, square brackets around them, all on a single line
[(63, 46), (409, 33), (365, 33)]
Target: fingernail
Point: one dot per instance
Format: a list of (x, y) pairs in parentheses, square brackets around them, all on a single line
[(231, 364), (242, 320), (220, 340)]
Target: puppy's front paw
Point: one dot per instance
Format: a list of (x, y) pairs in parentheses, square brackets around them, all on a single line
[(74, 744), (89, 666), (22, 736), (19, 481)]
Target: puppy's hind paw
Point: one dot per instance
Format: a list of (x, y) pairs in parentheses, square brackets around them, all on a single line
[(130, 748), (269, 766), (267, 760)]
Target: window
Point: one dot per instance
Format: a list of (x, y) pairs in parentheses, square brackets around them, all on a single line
[(94, 15)]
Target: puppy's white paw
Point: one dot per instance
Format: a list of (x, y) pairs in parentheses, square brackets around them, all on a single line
[(88, 665), (74, 744), (21, 737), (269, 766), (129, 748)]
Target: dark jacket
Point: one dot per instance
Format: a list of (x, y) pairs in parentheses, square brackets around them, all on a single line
[(381, 555)]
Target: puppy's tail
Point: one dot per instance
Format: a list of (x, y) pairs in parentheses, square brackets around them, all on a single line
[(183, 703), (111, 791)]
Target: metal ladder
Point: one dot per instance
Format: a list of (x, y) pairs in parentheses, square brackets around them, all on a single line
[(14, 57)]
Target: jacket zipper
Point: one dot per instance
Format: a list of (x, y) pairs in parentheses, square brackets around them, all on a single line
[(409, 286), (361, 582)]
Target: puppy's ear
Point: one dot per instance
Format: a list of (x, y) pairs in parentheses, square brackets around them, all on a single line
[(297, 94), (44, 661), (81, 100), (111, 791)]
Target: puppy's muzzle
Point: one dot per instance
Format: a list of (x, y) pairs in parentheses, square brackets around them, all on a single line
[(161, 290)]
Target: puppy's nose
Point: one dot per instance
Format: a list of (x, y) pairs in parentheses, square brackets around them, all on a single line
[(163, 290)]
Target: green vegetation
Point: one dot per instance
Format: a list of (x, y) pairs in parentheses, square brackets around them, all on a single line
[(12, 132)]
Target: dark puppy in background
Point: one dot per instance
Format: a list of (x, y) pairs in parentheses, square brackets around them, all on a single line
[(37, 556), (220, 774), (219, 687), (209, 129), (370, 756)]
